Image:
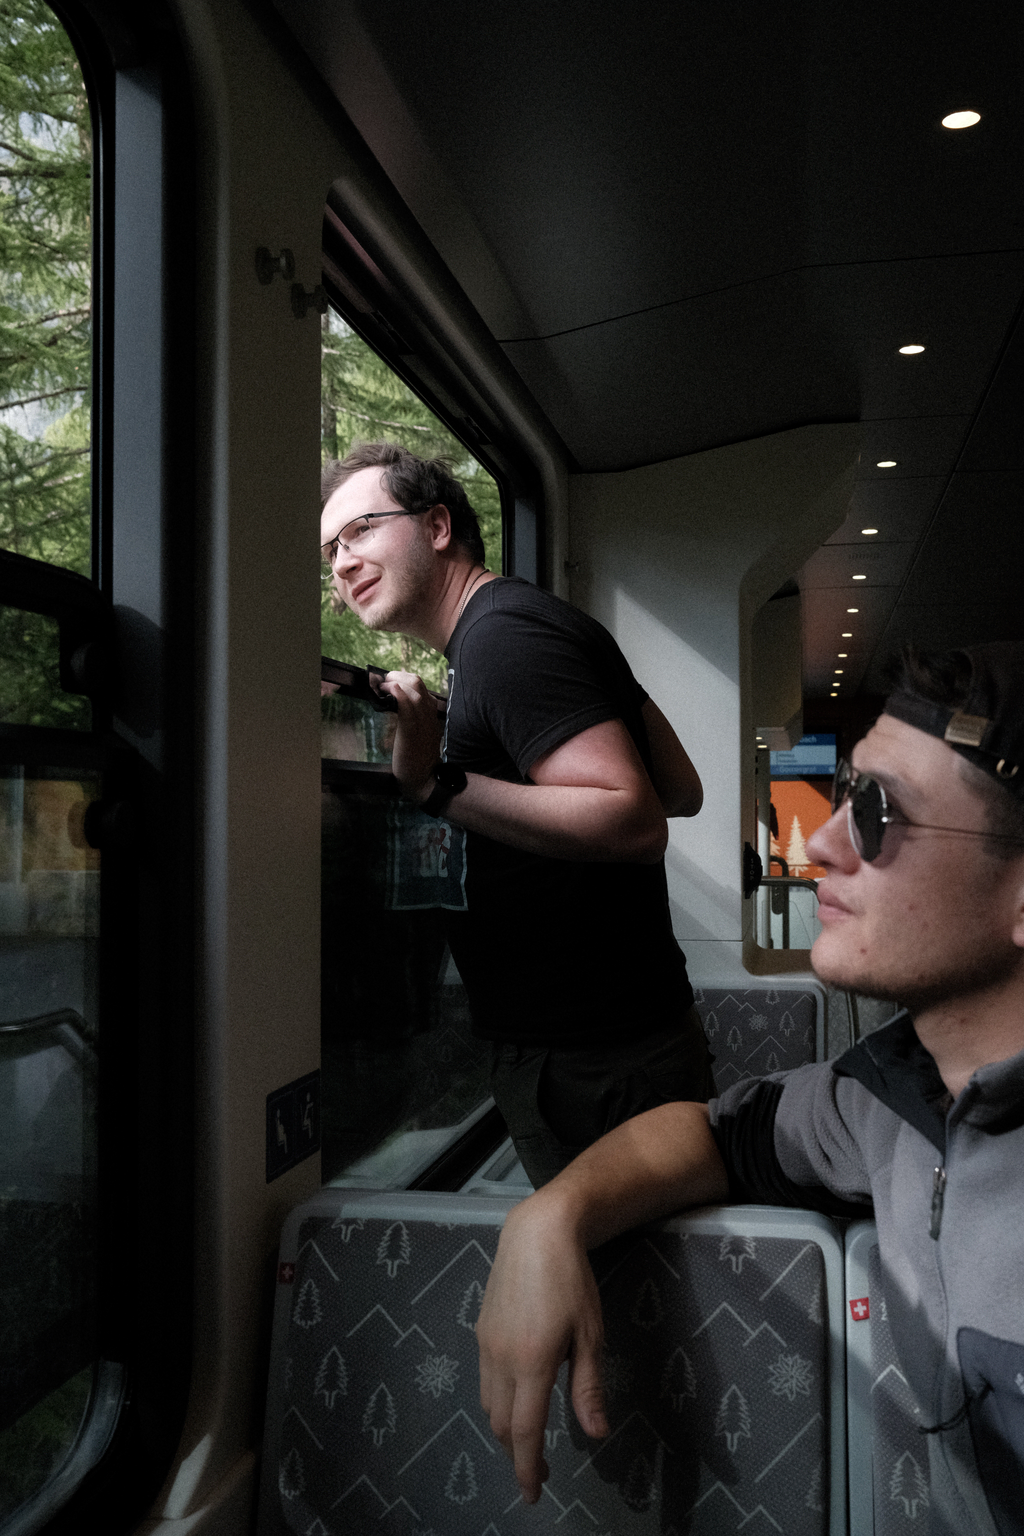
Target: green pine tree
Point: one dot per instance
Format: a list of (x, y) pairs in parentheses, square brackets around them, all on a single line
[(45, 315), (45, 289), (363, 401)]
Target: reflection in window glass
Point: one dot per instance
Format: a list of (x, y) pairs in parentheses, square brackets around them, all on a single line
[(45, 290), (30, 691), (49, 927), (353, 731), (363, 401), (400, 1065)]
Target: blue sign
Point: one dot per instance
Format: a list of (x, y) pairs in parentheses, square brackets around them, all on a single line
[(812, 757)]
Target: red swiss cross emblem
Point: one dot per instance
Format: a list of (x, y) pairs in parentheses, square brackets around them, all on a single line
[(285, 1274), (860, 1310)]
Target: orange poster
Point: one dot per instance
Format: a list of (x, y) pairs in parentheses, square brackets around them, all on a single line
[(801, 808)]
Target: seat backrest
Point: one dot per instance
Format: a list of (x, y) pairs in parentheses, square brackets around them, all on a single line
[(888, 1456), (751, 1031), (724, 1331), (756, 1030)]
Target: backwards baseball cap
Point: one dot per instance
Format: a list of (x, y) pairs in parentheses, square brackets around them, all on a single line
[(988, 726)]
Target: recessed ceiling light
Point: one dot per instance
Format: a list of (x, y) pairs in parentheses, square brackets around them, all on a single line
[(912, 350), (869, 530), (853, 610), (842, 655), (860, 578), (961, 120), (847, 634), (833, 695), (886, 464), (839, 671)]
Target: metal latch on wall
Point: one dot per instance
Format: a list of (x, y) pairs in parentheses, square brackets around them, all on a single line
[(269, 266)]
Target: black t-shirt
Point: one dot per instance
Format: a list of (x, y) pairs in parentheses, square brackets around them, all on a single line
[(551, 950)]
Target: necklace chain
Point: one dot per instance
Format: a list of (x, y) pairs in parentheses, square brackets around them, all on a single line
[(469, 593)]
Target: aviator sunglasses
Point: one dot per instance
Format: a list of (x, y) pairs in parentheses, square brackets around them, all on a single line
[(869, 812)]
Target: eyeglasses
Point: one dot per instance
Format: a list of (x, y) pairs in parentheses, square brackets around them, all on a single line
[(358, 534), (869, 812)]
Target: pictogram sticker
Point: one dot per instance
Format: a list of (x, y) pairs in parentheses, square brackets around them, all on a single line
[(860, 1310), (293, 1124)]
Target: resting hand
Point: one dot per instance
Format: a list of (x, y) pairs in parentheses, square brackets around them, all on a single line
[(541, 1307), (418, 733)]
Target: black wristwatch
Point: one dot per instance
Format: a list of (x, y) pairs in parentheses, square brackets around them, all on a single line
[(450, 782)]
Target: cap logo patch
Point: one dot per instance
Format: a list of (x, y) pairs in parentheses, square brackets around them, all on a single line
[(965, 730)]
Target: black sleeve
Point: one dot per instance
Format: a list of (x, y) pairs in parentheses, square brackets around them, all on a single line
[(537, 685), (745, 1138)]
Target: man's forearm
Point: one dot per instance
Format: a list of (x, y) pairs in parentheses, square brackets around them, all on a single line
[(562, 820), (650, 1167), (542, 1306)]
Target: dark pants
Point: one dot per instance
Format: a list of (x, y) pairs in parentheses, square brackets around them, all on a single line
[(558, 1100)]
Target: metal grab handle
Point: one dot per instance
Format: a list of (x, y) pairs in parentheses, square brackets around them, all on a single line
[(784, 884)]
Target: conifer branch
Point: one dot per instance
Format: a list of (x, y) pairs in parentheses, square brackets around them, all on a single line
[(71, 389)]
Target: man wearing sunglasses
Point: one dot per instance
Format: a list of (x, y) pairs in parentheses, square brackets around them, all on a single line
[(923, 901), (562, 771)]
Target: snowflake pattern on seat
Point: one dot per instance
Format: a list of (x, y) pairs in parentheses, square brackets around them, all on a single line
[(791, 1375), (437, 1374), (753, 1032)]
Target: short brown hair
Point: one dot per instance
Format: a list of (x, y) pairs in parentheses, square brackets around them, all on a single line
[(416, 484)]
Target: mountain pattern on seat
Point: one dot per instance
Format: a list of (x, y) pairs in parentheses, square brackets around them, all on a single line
[(716, 1367), (899, 1451), (755, 1031)]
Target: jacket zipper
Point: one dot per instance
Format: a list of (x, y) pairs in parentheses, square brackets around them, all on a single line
[(938, 1195)]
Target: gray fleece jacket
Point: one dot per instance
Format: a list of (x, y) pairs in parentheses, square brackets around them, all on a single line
[(946, 1179)]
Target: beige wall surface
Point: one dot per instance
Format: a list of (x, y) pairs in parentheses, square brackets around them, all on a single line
[(265, 158), (676, 559)]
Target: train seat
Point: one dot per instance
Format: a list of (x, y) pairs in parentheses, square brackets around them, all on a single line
[(724, 1339), (757, 1030), (751, 1030), (888, 1457)]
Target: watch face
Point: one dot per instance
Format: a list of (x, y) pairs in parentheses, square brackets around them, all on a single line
[(451, 777)]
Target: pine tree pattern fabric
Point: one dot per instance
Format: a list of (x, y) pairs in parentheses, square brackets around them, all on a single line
[(900, 1451), (755, 1031), (716, 1368)]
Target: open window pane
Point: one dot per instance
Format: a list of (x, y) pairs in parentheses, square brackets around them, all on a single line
[(363, 401), (45, 291), (402, 1075)]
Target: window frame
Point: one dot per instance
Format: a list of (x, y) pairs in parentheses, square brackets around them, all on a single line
[(135, 74)]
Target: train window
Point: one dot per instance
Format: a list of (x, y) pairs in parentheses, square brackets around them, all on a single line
[(790, 769), (45, 293), (362, 400), (60, 1400), (30, 692), (403, 1076), (793, 802)]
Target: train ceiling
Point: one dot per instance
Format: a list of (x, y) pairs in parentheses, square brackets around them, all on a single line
[(689, 224)]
